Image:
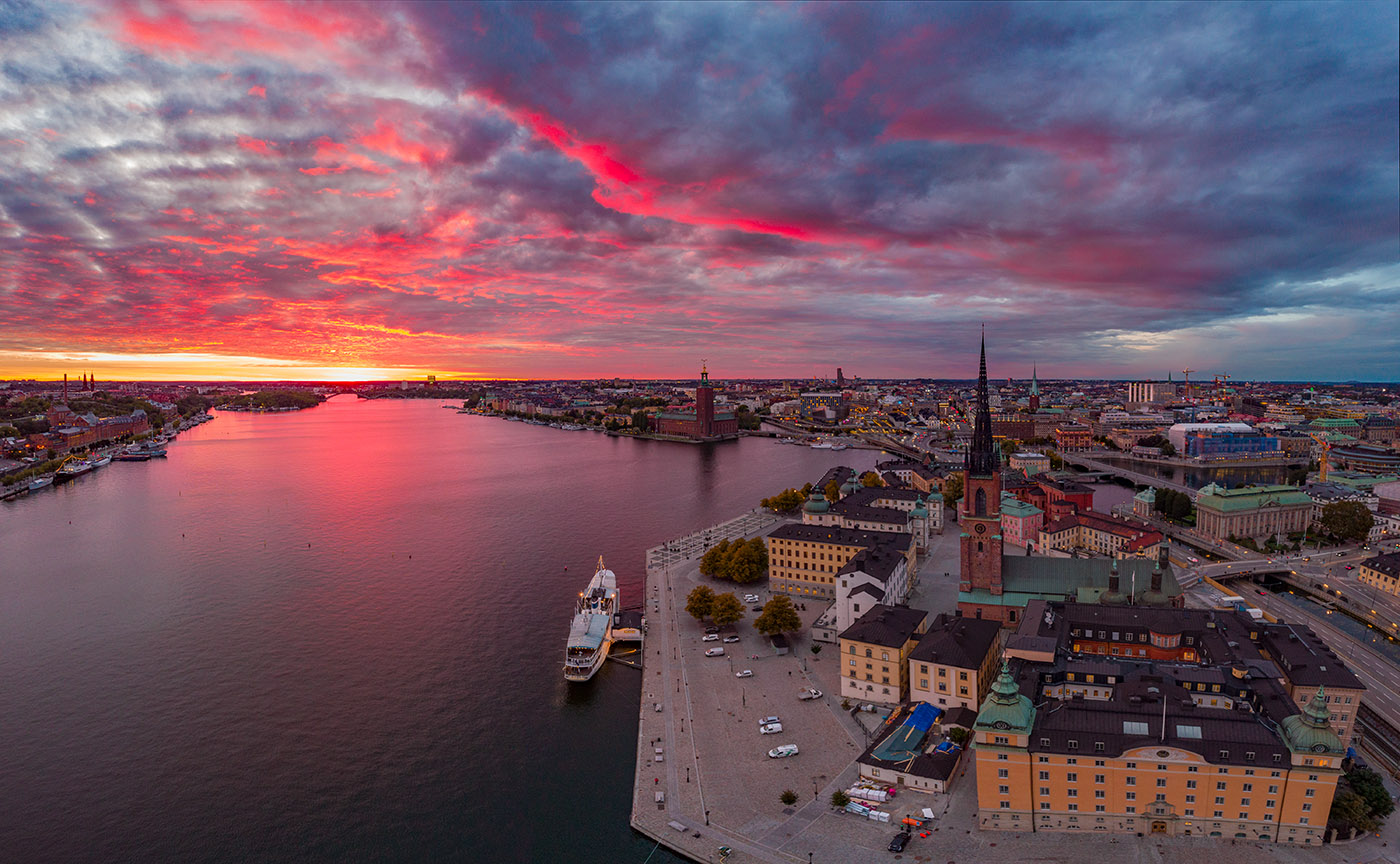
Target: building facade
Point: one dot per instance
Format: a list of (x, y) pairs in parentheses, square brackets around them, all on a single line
[(1099, 534), (1258, 511), (804, 560), (955, 662), (875, 654), (1199, 740), (704, 424)]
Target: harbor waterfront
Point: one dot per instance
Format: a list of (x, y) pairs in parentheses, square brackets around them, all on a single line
[(336, 635)]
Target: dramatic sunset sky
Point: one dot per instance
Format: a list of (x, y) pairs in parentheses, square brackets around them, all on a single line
[(256, 189)]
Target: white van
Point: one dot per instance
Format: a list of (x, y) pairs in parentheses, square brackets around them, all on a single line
[(782, 750), (714, 652)]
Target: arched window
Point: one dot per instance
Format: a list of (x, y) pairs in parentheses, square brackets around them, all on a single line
[(979, 545), (981, 500)]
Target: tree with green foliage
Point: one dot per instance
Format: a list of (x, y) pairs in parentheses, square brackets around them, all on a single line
[(726, 609), (840, 799), (699, 602), (639, 421), (1349, 811), (871, 480), (748, 561), (959, 736), (833, 492), (953, 489), (1008, 447), (1368, 784), (778, 616), (788, 797), (747, 419), (1347, 521), (785, 501), (715, 560)]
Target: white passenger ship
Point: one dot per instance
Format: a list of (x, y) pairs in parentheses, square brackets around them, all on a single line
[(591, 634)]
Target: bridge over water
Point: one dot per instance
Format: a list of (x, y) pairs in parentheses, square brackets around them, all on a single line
[(1088, 462)]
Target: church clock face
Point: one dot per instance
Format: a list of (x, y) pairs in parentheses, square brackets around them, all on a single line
[(981, 529)]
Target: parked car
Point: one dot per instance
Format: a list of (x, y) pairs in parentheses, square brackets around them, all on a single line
[(731, 639), (712, 629), (714, 652), (747, 673), (809, 693), (766, 720), (770, 729), (710, 637), (758, 608), (782, 750), (900, 839)]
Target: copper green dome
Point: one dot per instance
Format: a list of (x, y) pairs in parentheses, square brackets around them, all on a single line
[(816, 503), (852, 484), (1309, 732), (919, 511), (1006, 709)]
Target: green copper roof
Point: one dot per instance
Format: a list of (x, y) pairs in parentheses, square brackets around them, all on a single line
[(919, 509), (1334, 423), (1309, 731), (1005, 709), (1236, 500), (816, 503)]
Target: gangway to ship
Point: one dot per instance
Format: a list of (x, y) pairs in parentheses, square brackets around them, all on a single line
[(622, 658)]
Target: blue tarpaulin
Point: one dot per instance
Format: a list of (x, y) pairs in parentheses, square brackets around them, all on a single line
[(903, 743)]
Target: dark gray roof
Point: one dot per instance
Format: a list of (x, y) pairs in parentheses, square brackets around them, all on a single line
[(957, 641), (889, 626), (1388, 564), (879, 562), (842, 536)]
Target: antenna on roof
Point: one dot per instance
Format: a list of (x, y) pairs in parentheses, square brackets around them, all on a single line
[(1163, 739)]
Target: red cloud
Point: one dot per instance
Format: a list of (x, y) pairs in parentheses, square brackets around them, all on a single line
[(386, 139), (258, 91), (258, 146)]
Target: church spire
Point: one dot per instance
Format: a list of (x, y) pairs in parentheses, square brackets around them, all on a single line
[(982, 459), (1035, 385)]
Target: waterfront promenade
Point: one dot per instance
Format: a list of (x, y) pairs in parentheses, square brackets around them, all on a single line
[(703, 781)]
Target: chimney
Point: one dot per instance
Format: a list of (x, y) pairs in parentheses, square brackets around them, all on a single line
[(65, 388), (1157, 577), (1113, 578)]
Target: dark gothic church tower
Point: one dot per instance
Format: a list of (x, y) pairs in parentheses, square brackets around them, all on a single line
[(981, 504)]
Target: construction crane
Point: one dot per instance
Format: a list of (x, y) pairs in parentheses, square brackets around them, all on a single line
[(1187, 373), (1321, 438), (1220, 381)]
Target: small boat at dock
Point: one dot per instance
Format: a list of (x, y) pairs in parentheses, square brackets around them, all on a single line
[(39, 483)]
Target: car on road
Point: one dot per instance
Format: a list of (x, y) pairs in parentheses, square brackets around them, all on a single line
[(710, 637), (731, 639), (747, 673), (750, 598), (1260, 591), (1194, 560), (809, 693), (1340, 554), (782, 750), (1350, 567), (758, 608), (899, 841), (766, 720), (712, 629), (714, 652), (770, 729)]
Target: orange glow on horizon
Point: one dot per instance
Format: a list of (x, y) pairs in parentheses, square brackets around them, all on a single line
[(176, 366)]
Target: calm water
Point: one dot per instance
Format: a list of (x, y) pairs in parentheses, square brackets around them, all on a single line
[(335, 635)]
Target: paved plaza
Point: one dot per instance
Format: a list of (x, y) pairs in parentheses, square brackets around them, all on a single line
[(704, 780)]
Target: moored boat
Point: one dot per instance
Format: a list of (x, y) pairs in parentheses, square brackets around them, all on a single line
[(590, 632), (39, 483), (71, 468)]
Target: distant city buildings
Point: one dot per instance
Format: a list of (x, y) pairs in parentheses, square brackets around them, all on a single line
[(703, 424)]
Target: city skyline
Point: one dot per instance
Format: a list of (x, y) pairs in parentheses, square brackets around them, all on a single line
[(254, 191)]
